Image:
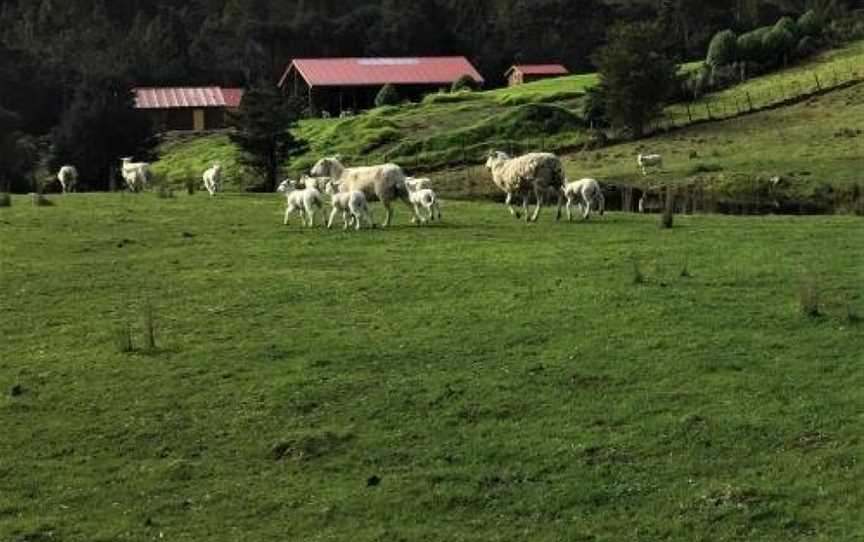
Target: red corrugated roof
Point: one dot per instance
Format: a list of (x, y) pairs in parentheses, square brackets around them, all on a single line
[(540, 69), (180, 97), (380, 71)]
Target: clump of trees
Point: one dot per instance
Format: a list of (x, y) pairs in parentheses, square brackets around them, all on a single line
[(637, 76), (264, 132)]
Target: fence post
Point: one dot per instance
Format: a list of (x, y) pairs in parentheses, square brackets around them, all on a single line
[(818, 84), (749, 101), (689, 114), (708, 108)]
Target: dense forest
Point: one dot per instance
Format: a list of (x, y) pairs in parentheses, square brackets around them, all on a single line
[(49, 49)]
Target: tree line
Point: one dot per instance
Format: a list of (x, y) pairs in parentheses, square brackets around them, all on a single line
[(57, 54)]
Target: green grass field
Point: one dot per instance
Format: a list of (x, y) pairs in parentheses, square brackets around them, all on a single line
[(477, 380)]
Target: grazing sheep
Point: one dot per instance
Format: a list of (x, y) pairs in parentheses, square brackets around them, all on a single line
[(538, 172), (213, 179), (425, 198), (647, 161), (68, 177), (306, 202), (386, 181), (585, 192), (352, 204), (136, 174)]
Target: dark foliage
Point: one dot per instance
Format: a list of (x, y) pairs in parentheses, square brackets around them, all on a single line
[(636, 75), (100, 127), (264, 127)]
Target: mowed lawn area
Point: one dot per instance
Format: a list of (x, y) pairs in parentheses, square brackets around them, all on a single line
[(481, 380)]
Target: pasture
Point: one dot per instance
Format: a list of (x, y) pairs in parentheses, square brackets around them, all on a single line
[(479, 380)]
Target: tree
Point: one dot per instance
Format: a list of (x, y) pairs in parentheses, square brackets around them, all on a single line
[(636, 76), (387, 96), (723, 49), (100, 127), (263, 133)]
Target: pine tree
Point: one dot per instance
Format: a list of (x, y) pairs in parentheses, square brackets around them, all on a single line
[(263, 133), (636, 76)]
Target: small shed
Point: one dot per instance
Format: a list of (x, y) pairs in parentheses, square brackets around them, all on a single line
[(188, 108), (339, 84), (526, 73)]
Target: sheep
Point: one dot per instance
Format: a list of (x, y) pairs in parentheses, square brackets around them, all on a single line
[(318, 183), (646, 161), (417, 183), (386, 181), (68, 177), (537, 172), (587, 192), (306, 202), (423, 197), (136, 174), (352, 204), (213, 179)]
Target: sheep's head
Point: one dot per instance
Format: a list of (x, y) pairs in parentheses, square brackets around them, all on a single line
[(327, 167), (495, 158), (331, 187), (287, 186)]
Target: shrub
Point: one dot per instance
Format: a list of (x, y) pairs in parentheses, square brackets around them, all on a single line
[(723, 49), (387, 96), (788, 24), (807, 46), (810, 24), (594, 107), (750, 47), (5, 200), (778, 44), (466, 82)]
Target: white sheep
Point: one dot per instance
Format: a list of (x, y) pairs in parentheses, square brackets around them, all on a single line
[(649, 161), (425, 198), (307, 202), (536, 172), (136, 174), (318, 183), (213, 179), (352, 204), (585, 192), (68, 177), (386, 181), (417, 183)]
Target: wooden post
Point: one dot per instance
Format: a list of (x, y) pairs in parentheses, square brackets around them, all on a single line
[(689, 113), (818, 84), (708, 107), (749, 101)]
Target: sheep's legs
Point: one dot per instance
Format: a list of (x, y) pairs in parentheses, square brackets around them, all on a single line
[(525, 208), (388, 213), (602, 204), (509, 204), (569, 209), (560, 204), (332, 217), (587, 213), (287, 216), (541, 199)]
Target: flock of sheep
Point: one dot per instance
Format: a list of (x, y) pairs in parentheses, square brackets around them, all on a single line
[(536, 174)]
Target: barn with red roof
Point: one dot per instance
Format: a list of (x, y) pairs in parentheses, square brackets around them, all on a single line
[(527, 73), (339, 84), (188, 108)]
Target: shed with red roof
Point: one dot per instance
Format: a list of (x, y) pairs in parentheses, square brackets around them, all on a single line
[(188, 108), (338, 84), (527, 73)]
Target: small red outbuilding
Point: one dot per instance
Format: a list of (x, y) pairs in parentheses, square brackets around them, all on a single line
[(526, 73), (188, 108)]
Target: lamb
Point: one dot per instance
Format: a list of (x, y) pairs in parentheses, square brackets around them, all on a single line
[(386, 181), (538, 172), (306, 202), (587, 192), (352, 204), (646, 161), (213, 179), (417, 183), (423, 197), (136, 174), (68, 177)]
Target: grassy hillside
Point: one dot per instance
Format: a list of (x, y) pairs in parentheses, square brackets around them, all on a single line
[(450, 130), (480, 380)]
